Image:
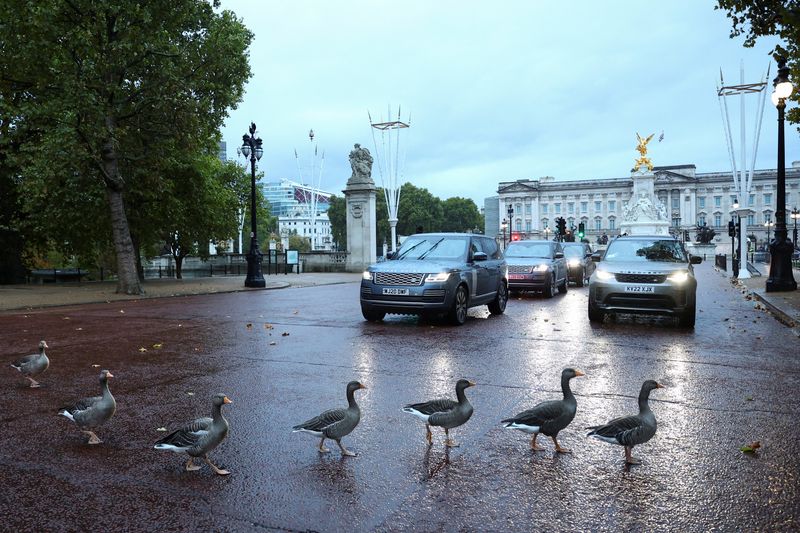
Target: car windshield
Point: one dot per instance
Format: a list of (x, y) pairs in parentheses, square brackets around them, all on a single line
[(528, 249), (432, 247), (574, 252), (645, 250)]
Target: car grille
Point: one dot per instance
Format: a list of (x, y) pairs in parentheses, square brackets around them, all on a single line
[(394, 278), (633, 301), (519, 269), (428, 296), (641, 278)]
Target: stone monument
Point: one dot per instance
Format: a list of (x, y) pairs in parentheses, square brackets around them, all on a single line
[(361, 219), (644, 214)]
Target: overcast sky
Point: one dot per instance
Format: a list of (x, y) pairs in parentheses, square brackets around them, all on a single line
[(497, 91)]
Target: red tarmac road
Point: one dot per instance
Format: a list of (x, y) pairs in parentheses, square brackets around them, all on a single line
[(284, 356)]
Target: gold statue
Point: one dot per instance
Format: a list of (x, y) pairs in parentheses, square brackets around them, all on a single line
[(642, 149)]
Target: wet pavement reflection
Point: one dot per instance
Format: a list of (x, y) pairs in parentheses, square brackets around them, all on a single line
[(285, 355)]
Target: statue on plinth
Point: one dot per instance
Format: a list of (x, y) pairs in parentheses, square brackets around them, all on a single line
[(642, 149), (705, 234), (361, 163)]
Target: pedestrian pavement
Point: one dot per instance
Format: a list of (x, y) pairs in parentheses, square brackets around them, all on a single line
[(34, 296)]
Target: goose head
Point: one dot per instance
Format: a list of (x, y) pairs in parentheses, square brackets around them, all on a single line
[(220, 399), (354, 386), (462, 384), (43, 345), (570, 373)]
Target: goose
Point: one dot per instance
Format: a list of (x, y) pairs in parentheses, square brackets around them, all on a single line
[(335, 423), (198, 437), (548, 417), (629, 431), (33, 365), (91, 413), (444, 413)]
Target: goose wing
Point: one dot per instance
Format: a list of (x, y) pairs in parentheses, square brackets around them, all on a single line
[(190, 435), (82, 406), (22, 362), (433, 407), (322, 421), (538, 415), (625, 430)]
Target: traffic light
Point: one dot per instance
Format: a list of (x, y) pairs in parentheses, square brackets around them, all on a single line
[(581, 230), (561, 224), (731, 228)]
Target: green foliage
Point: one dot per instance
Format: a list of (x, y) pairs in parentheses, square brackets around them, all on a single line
[(461, 215), (337, 214), (764, 18), (299, 243)]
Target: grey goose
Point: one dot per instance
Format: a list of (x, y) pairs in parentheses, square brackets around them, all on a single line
[(444, 412), (91, 413), (33, 364), (335, 423)]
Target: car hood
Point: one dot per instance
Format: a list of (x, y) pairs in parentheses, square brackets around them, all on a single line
[(413, 265), (638, 267), (525, 261)]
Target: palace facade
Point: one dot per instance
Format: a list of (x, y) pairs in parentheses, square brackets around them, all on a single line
[(692, 199)]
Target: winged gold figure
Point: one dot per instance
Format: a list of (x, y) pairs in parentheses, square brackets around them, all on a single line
[(642, 149)]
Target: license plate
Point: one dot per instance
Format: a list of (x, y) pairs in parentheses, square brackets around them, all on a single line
[(516, 276), (639, 288), (395, 292)]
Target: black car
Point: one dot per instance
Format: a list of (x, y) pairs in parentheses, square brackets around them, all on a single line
[(537, 265), (579, 262), (437, 273)]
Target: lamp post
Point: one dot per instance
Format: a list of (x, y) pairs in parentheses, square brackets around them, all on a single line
[(768, 224), (780, 268), (546, 233), (503, 225), (795, 216), (510, 222), (251, 147)]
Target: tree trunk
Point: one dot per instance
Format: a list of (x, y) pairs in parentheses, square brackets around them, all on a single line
[(137, 254), (178, 266)]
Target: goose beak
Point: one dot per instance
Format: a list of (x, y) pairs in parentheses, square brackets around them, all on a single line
[(109, 375), (660, 386), (360, 386), (578, 373), (472, 383), (227, 400)]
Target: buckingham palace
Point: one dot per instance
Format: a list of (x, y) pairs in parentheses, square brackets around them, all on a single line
[(692, 199)]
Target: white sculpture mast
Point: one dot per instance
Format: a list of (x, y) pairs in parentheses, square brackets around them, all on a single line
[(743, 177), (316, 166), (390, 164)]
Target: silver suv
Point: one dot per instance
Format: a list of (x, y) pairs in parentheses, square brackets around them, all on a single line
[(435, 273), (645, 274)]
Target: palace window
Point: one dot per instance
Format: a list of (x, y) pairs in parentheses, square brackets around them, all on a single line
[(527, 224), (612, 205), (598, 224), (598, 206), (717, 220), (570, 208), (767, 198), (701, 203), (584, 207), (751, 200), (701, 220), (558, 208), (544, 209), (751, 219), (612, 224), (718, 201)]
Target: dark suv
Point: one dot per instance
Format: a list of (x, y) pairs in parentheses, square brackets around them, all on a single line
[(537, 265), (579, 262), (435, 273)]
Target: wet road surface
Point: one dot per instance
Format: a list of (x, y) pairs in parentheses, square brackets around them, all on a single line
[(731, 381)]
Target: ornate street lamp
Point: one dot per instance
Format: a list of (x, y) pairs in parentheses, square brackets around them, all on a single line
[(251, 147), (795, 216), (768, 224), (503, 225), (780, 268), (510, 221)]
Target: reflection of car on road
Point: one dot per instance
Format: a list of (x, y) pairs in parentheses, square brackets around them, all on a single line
[(434, 273), (579, 262), (647, 275), (537, 265)]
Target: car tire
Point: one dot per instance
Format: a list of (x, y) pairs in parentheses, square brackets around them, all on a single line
[(687, 318), (458, 312), (595, 314), (550, 288), (563, 287), (579, 282), (498, 305), (371, 315)]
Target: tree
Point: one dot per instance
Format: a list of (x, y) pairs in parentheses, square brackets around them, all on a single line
[(299, 243), (123, 89), (337, 214), (460, 215), (418, 208), (763, 18)]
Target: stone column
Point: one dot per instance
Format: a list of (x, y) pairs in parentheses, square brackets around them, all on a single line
[(360, 204)]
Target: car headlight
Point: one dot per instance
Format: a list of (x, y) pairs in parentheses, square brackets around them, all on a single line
[(367, 275), (678, 277), (439, 276), (603, 275), (574, 262), (544, 267)]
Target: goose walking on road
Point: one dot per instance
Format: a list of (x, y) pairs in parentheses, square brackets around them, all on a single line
[(33, 365), (199, 437), (444, 412), (629, 431), (335, 423), (91, 413), (548, 417)]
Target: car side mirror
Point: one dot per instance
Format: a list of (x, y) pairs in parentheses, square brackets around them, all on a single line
[(588, 254), (695, 259), (479, 256), (389, 255), (559, 255), (597, 257)]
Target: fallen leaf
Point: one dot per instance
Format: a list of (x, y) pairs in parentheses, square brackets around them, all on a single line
[(725, 319), (66, 318), (285, 334), (190, 393), (294, 312), (249, 326), (78, 329), (273, 343), (161, 429), (157, 345), (750, 448), (122, 311), (267, 325), (142, 349), (180, 325), (749, 399), (547, 320), (95, 366)]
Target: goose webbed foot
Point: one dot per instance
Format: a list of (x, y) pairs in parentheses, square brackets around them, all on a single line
[(534, 446), (34, 383), (190, 466), (450, 443), (428, 435), (345, 451), (630, 459), (559, 449), (322, 448), (214, 467), (93, 439)]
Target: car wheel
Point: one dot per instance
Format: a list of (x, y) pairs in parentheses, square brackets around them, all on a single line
[(581, 279), (498, 305), (458, 313), (595, 314), (563, 287), (550, 288), (687, 319), (371, 315)]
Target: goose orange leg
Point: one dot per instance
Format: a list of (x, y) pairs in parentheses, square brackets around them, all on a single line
[(534, 446), (629, 458), (559, 449), (450, 443), (190, 466), (428, 434), (215, 468)]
